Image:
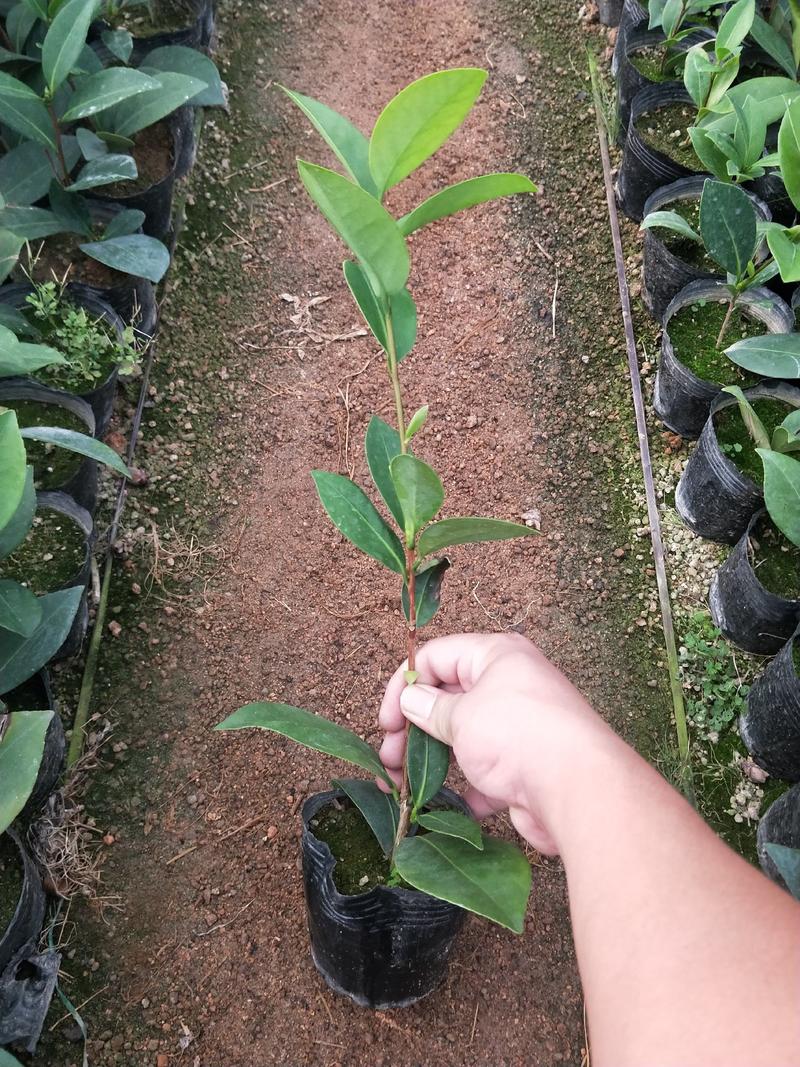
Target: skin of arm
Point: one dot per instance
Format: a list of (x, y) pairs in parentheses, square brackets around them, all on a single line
[(689, 956)]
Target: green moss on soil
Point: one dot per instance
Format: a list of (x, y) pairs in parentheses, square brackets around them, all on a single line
[(50, 556), (52, 466), (691, 252), (10, 882), (693, 332), (665, 130), (735, 441), (651, 64), (355, 848), (776, 562)]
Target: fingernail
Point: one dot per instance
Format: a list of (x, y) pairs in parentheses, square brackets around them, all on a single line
[(416, 701)]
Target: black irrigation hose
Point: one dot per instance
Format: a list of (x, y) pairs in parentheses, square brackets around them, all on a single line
[(644, 452)]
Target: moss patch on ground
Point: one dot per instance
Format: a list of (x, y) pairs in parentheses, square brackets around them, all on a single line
[(693, 332), (734, 438)]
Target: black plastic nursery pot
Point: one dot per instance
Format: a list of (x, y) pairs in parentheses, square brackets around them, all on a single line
[(610, 11), (82, 484), (779, 826), (197, 33), (37, 695), (645, 168), (633, 14), (386, 948), (681, 399), (27, 977), (770, 189), (713, 497), (771, 726), (664, 273), (753, 617)]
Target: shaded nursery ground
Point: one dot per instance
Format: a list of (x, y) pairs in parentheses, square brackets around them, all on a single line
[(234, 586)]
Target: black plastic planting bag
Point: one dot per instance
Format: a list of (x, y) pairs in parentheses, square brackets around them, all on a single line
[(664, 274), (682, 400), (747, 613), (644, 169), (633, 14), (66, 506), (780, 826), (385, 948), (197, 33), (771, 726), (610, 11)]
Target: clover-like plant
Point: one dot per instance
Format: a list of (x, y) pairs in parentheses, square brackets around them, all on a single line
[(451, 859)]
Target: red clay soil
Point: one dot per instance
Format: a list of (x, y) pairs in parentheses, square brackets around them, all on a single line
[(208, 964)]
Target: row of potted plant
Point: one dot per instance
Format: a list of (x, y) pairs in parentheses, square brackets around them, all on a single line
[(709, 97), (96, 127)]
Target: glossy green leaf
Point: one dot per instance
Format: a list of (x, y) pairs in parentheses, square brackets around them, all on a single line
[(463, 195), (71, 210), (428, 761), (27, 170), (789, 151), (310, 730), (178, 59), (20, 756), (119, 43), (10, 246), (23, 111), (20, 610), (378, 808), (427, 591), (772, 93), (750, 132), (21, 357), (22, 657), (453, 824), (12, 464), (753, 424), (354, 515), (91, 146), (735, 25), (16, 529), (137, 254), (65, 40), (99, 91), (419, 490), (368, 230), (670, 220), (404, 322), (6, 1059), (381, 445), (713, 158), (365, 298), (696, 75), (80, 443), (348, 144), (782, 491), (19, 22), (416, 422), (104, 171), (145, 109), (774, 44), (728, 226), (13, 319), (786, 253), (419, 120), (774, 355), (125, 222), (787, 860), (30, 223), (38, 8), (468, 530), (494, 881)]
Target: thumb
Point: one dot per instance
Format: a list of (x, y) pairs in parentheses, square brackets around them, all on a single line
[(430, 709)]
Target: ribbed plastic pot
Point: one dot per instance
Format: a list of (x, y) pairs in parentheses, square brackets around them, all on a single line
[(100, 399), (713, 497), (386, 948), (82, 486), (37, 695), (750, 615), (26, 922), (196, 34), (681, 399), (645, 169), (664, 274), (610, 11), (779, 826), (770, 188), (770, 728), (633, 14)]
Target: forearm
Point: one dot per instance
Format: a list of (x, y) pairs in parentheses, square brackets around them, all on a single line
[(681, 943)]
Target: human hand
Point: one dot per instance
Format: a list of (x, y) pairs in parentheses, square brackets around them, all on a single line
[(515, 724)]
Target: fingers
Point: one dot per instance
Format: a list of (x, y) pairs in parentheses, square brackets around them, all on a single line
[(392, 749), (430, 709)]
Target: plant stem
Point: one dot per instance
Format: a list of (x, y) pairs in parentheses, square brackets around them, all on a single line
[(59, 146), (726, 321)]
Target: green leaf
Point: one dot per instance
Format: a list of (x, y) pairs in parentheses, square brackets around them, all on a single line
[(786, 253), (367, 228), (30, 223), (789, 151), (428, 761), (773, 355), (782, 491), (416, 422), (381, 445), (404, 322), (104, 171), (419, 490), (494, 881), (427, 591), (137, 254), (787, 860), (20, 756), (753, 424), (771, 93), (27, 170), (105, 89), (12, 464), (20, 611), (348, 144), (463, 195), (670, 220), (65, 40), (125, 222), (119, 43), (468, 530), (728, 226), (147, 108), (378, 808), (453, 824), (91, 146), (24, 112), (735, 25), (71, 210), (22, 358), (419, 120), (353, 514), (16, 529), (696, 75), (365, 298), (178, 59), (20, 20), (73, 441), (10, 246), (774, 44), (6, 1059), (37, 8), (310, 730), (22, 657)]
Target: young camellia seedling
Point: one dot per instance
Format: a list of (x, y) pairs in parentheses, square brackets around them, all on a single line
[(442, 852)]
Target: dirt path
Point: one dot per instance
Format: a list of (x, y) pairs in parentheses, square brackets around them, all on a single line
[(211, 949)]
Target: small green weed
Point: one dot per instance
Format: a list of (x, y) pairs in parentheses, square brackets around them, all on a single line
[(714, 691)]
